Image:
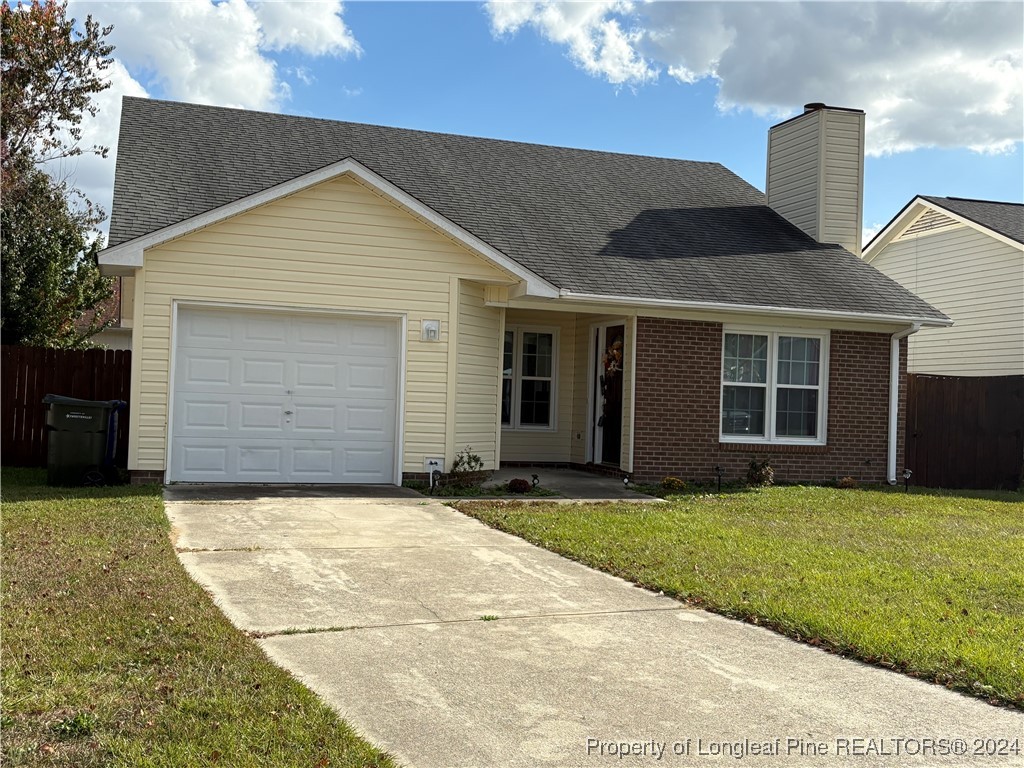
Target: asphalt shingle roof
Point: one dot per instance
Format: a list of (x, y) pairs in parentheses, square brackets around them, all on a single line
[(1005, 218), (586, 221)]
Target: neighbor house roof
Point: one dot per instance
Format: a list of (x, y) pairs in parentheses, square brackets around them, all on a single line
[(1005, 218), (595, 223)]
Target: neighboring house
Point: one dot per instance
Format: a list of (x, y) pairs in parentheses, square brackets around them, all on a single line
[(965, 257), (117, 309), (320, 301)]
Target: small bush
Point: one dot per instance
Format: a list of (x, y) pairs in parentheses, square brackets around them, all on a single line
[(760, 474), (466, 461), (672, 483), (466, 470), (519, 485), (847, 482)]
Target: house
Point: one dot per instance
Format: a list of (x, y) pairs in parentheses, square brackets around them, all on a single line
[(117, 335), (965, 257), (321, 301)]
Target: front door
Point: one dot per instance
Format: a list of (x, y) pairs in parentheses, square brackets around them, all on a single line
[(610, 354)]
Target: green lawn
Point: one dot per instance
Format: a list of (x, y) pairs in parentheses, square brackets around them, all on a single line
[(927, 583), (113, 656)]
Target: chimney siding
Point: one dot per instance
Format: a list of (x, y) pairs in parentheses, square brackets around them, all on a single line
[(816, 174)]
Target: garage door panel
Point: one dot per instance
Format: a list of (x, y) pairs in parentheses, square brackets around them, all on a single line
[(243, 460), (312, 376), (266, 332), (308, 462), (208, 459), (266, 416), (260, 417), (203, 371), (312, 418), (370, 340), (202, 328), (240, 372), (260, 372), (262, 397), (261, 461)]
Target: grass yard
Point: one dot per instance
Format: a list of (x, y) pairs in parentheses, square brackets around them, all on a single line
[(113, 656), (927, 583)]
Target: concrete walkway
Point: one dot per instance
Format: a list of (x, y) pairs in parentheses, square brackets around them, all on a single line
[(394, 597), (573, 484)]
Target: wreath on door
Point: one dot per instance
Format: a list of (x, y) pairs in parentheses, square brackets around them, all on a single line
[(611, 362), (612, 359)]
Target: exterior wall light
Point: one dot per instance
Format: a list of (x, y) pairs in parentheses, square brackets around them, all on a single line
[(430, 330)]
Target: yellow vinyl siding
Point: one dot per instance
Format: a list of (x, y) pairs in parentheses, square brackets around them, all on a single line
[(336, 246), (546, 445), (479, 375), (976, 280)]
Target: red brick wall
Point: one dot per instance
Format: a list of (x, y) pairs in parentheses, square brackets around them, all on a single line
[(678, 373)]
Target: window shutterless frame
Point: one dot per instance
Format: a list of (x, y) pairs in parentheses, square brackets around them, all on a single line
[(517, 378), (772, 386)]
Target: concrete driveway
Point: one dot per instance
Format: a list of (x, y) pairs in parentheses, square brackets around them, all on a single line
[(382, 602)]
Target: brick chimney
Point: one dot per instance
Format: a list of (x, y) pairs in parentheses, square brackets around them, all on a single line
[(816, 173)]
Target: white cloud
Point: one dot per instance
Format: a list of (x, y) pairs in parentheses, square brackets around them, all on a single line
[(302, 74), (216, 52), (592, 31), (315, 28), (927, 74), (199, 51), (867, 233)]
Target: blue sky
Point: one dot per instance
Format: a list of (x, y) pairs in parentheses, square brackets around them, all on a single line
[(613, 76)]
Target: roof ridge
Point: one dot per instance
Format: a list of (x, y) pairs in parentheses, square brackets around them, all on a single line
[(972, 200), (419, 131)]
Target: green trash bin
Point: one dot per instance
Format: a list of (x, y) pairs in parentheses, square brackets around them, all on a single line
[(82, 440)]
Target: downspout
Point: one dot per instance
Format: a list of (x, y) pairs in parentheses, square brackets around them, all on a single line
[(894, 394)]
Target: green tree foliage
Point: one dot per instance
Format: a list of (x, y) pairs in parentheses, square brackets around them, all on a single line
[(48, 236)]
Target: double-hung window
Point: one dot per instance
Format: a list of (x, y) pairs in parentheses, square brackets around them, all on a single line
[(528, 378), (773, 386)]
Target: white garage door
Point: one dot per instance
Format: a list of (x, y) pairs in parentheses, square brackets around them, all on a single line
[(266, 397)]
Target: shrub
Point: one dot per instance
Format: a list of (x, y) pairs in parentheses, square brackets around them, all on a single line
[(519, 485), (466, 461), (466, 469), (847, 482), (672, 483), (760, 474)]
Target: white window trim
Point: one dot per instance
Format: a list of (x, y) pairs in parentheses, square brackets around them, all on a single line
[(517, 379), (773, 333)]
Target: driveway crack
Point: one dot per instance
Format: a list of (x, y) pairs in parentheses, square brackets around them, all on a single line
[(495, 619)]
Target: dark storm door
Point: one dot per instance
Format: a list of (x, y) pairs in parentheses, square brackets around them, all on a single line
[(611, 359)]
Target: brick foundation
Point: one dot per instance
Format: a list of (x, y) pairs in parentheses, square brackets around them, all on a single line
[(678, 375), (146, 476)]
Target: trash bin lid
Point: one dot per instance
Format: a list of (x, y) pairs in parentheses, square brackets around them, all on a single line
[(74, 401)]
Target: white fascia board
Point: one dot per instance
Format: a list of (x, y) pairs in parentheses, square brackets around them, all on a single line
[(817, 314), (129, 255), (120, 260)]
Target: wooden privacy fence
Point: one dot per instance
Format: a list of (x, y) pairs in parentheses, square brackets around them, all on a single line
[(28, 374), (965, 431)]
